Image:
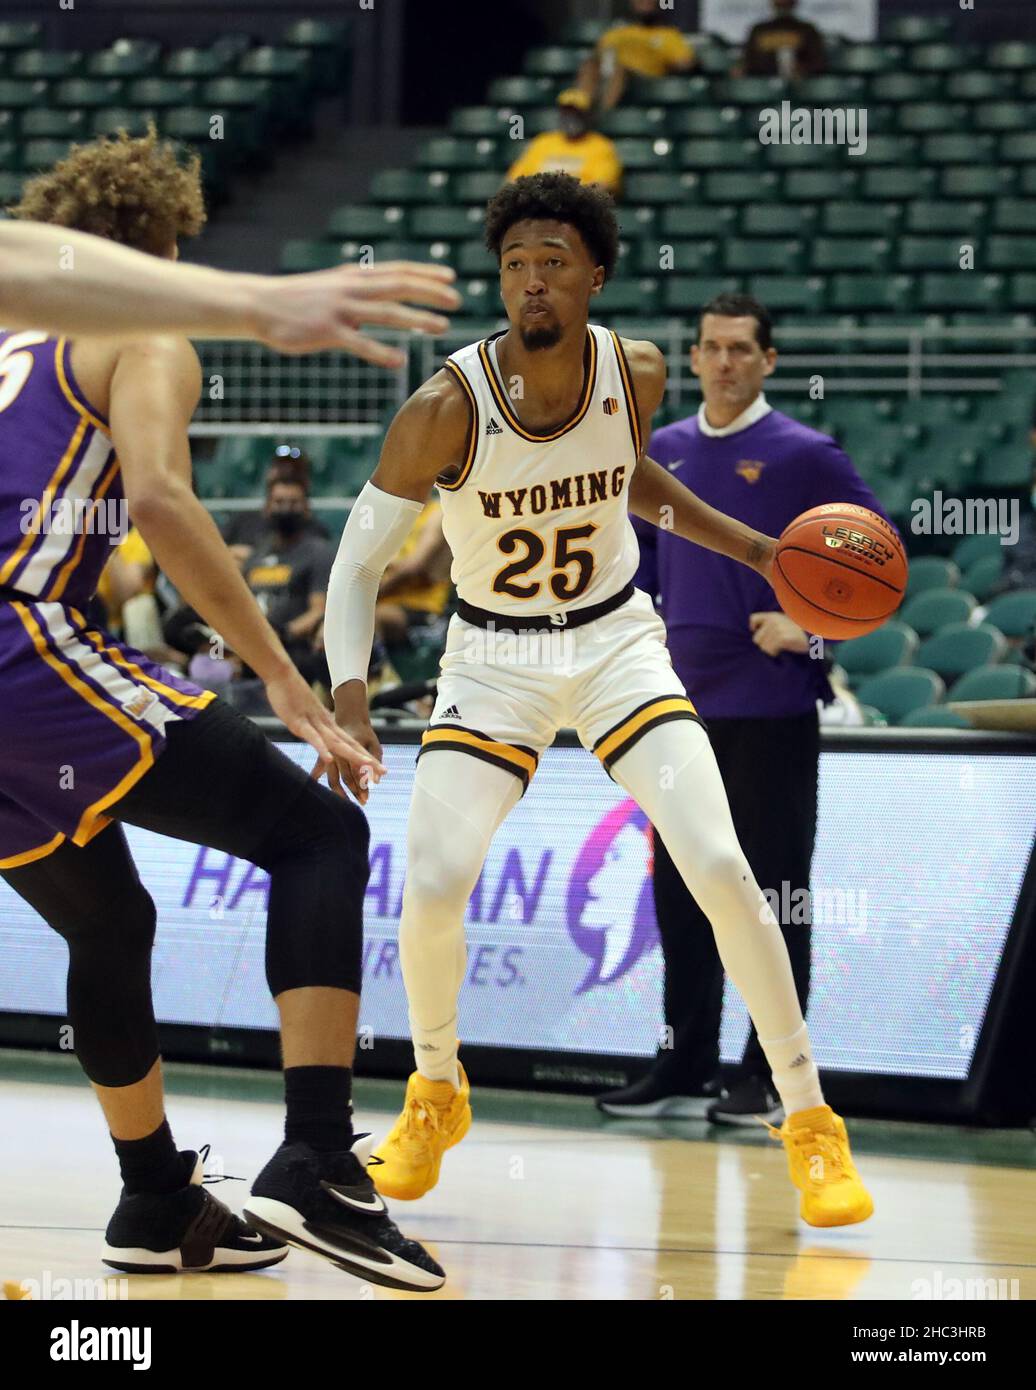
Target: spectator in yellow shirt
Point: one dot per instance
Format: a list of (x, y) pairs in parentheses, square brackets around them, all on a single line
[(574, 148), (644, 46)]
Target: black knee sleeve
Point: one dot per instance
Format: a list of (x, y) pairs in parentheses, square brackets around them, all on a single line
[(316, 856), (109, 986)]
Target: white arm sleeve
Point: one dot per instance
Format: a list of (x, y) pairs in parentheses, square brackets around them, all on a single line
[(378, 525)]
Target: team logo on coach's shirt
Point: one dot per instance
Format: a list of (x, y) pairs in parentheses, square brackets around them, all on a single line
[(750, 469)]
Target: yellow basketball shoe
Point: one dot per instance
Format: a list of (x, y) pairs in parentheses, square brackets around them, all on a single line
[(821, 1167), (435, 1117)]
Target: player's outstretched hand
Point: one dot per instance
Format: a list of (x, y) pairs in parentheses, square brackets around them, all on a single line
[(325, 309), (340, 756)]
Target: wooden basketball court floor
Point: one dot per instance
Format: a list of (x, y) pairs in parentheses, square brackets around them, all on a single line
[(545, 1199)]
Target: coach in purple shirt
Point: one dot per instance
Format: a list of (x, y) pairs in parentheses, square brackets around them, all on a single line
[(755, 678)]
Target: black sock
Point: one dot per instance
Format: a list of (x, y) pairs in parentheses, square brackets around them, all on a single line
[(319, 1101), (151, 1164)]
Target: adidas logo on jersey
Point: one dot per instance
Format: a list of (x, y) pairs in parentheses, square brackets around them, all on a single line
[(452, 713), (493, 427)]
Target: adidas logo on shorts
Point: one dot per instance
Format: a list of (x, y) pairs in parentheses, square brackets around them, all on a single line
[(493, 427)]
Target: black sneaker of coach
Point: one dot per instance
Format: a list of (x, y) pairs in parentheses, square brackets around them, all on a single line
[(751, 1098), (184, 1232), (654, 1097), (326, 1203)]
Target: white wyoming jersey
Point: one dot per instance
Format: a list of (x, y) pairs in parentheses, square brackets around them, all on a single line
[(540, 523)]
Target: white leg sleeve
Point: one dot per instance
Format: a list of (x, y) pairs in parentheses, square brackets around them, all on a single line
[(672, 775), (457, 804)]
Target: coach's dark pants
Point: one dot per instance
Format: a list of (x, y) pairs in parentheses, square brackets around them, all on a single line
[(769, 767)]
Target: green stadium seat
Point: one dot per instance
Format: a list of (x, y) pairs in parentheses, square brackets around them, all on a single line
[(382, 249), (749, 256), (719, 154), (872, 292), (680, 91), (645, 156), (584, 31), (363, 223), (931, 572), (54, 125), (18, 33), (1018, 148), (911, 28), (708, 220), (1026, 181), (473, 259), (414, 186), (892, 644), (231, 46), (978, 547), (981, 577), (685, 294), (868, 58), (1010, 253), (935, 215), (830, 90), (934, 412), (52, 64), (200, 63), (890, 149), (958, 149), (638, 123), (242, 136), (1013, 613), (1026, 85), (317, 33), (446, 152), (643, 221), (962, 290), (719, 121), (476, 188), (899, 691), (106, 120), (805, 292), (924, 117), (893, 182), (974, 181), (934, 717), (865, 411), (250, 93), (850, 253), (638, 297), (1005, 116), (801, 156), (555, 61), (905, 86), (10, 188), (714, 56), (128, 60), (666, 188), (41, 154), (520, 93), (298, 253), (933, 609), (481, 297), (941, 57), (861, 219), (448, 224), (270, 60), (161, 92), (931, 252), (695, 257), (23, 95), (749, 91), (980, 86), (10, 155), (1003, 682), (1005, 466), (818, 185), (779, 219), (1014, 54), (1014, 214)]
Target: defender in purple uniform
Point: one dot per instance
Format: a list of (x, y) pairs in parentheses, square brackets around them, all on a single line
[(95, 734)]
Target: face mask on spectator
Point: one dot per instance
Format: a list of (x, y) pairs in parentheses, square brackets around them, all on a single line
[(288, 523)]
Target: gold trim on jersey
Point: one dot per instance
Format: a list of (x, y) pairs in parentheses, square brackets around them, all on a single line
[(49, 492), (72, 563), (622, 736), (501, 398), (177, 697), (472, 438), (28, 856), (64, 346), (630, 394), (91, 821), (511, 757)]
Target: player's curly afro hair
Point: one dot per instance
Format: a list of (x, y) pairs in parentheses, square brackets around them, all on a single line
[(557, 198), (136, 191)]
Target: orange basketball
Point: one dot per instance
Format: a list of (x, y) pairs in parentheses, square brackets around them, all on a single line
[(839, 570)]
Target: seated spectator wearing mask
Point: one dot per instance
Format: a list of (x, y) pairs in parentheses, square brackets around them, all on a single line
[(646, 46), (574, 148), (246, 530), (783, 47)]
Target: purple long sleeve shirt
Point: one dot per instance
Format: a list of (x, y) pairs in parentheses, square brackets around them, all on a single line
[(764, 475)]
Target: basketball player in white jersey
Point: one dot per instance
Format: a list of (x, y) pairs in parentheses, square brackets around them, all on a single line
[(535, 439)]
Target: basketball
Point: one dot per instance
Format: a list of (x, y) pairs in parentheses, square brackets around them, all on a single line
[(839, 570)]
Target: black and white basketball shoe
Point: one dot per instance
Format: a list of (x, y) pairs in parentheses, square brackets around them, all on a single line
[(327, 1203)]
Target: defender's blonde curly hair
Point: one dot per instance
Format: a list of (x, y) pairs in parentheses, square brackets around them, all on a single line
[(135, 191)]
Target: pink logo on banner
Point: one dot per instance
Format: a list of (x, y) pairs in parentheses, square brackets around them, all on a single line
[(609, 907)]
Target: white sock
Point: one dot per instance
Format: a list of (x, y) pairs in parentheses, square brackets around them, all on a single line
[(795, 1075), (435, 1052)]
